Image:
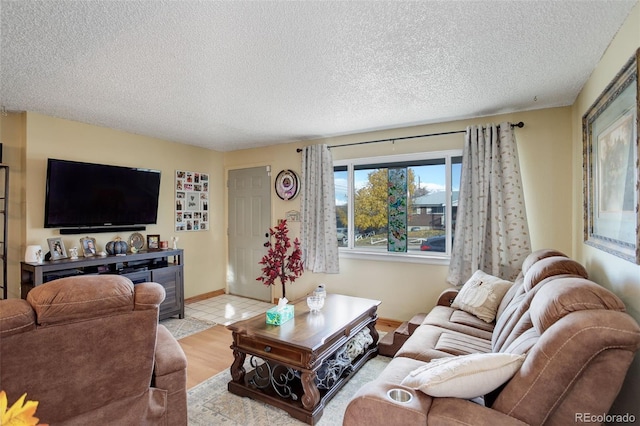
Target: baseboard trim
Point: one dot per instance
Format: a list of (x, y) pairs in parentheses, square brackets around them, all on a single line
[(204, 296)]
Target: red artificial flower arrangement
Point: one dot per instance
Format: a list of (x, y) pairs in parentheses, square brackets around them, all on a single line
[(278, 262)]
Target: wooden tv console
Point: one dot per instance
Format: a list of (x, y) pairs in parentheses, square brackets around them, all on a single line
[(151, 265)]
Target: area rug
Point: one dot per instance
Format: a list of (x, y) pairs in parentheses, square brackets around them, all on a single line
[(181, 328), (210, 403)]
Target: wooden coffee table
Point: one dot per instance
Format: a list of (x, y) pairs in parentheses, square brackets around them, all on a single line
[(300, 365)]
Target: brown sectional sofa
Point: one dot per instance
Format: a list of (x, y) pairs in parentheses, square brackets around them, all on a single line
[(575, 334), (90, 351)]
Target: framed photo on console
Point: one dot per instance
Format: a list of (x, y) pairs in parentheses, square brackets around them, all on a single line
[(56, 247), (610, 167), (88, 246), (153, 242)]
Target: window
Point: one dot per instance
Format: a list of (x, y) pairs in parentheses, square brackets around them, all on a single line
[(398, 204)]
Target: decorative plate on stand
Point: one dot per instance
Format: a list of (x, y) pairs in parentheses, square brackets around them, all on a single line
[(136, 242), (287, 185)]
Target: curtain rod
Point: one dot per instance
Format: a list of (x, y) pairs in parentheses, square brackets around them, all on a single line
[(519, 124)]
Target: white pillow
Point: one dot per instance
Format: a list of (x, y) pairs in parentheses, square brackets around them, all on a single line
[(465, 376), (481, 295)]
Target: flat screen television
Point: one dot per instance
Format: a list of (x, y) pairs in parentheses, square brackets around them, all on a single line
[(85, 195)]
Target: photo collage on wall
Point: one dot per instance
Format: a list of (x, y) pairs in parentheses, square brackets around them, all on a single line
[(192, 201)]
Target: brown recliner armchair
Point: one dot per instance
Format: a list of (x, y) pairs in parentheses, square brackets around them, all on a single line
[(90, 351)]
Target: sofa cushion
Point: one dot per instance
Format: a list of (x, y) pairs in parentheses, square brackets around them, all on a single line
[(517, 289), (429, 342), (481, 295), (552, 267), (512, 321), (462, 344), (398, 368), (564, 295), (514, 291), (458, 320), (539, 255), (464, 318), (466, 376)]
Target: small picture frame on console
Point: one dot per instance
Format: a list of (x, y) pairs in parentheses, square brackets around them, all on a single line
[(56, 247), (153, 242), (88, 246)]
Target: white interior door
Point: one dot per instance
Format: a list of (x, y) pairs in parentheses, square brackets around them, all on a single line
[(249, 220)]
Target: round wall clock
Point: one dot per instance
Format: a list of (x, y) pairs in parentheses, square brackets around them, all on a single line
[(287, 184)]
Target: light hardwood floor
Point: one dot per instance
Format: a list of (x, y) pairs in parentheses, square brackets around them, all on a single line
[(209, 352)]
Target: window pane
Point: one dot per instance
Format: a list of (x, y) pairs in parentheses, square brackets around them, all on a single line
[(370, 208), (340, 180), (427, 226), (426, 204)]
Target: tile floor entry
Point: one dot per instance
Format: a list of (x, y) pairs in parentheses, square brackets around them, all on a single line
[(226, 309)]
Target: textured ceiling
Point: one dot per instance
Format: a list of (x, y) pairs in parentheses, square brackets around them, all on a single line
[(233, 75)]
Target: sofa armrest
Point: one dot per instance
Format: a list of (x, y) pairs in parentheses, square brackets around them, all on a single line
[(415, 322), (447, 296), (16, 316), (462, 411), (372, 407), (148, 295), (169, 354), (170, 374)]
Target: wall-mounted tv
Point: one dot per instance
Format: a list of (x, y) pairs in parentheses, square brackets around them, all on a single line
[(85, 195)]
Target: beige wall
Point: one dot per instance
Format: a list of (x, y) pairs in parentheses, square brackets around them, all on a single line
[(619, 275), (46, 137), (407, 288), (12, 131)]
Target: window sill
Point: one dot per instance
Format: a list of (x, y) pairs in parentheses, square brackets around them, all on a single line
[(431, 259)]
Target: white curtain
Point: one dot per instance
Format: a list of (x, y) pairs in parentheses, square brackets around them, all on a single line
[(318, 211), (491, 233)]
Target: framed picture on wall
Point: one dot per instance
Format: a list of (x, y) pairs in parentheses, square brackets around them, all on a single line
[(192, 201), (610, 167)]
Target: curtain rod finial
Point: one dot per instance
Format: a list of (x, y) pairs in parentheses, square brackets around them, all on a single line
[(520, 124)]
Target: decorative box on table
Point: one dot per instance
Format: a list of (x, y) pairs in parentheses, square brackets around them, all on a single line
[(278, 315)]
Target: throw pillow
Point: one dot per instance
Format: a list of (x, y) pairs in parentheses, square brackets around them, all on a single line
[(481, 295), (465, 376)]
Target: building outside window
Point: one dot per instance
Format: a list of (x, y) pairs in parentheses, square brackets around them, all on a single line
[(398, 204)]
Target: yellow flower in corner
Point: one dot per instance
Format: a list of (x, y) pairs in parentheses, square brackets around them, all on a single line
[(20, 414)]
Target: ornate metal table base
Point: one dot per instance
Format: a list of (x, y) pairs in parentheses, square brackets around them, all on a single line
[(278, 377), (302, 381), (282, 380)]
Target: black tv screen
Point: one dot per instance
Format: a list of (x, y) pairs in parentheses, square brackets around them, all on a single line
[(84, 195)]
